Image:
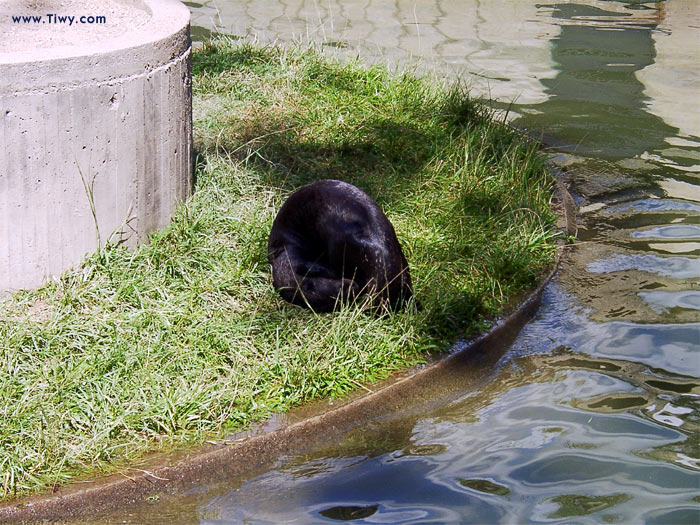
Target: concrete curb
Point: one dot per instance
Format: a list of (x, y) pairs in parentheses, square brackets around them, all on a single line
[(223, 462)]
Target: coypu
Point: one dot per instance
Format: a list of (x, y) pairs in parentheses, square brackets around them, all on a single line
[(331, 242)]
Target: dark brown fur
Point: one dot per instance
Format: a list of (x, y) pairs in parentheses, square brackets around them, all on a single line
[(331, 242)]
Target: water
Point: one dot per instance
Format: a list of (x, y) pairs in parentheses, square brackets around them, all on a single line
[(592, 414)]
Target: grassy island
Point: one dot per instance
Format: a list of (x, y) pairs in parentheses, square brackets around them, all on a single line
[(184, 338)]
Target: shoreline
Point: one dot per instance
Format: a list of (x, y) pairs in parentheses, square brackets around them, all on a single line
[(219, 462), (171, 317)]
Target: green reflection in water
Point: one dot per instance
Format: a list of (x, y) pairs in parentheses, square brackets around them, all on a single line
[(428, 449), (349, 513), (578, 505), (597, 105), (676, 387), (617, 402), (485, 486)]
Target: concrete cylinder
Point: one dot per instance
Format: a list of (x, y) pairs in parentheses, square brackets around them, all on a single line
[(95, 129)]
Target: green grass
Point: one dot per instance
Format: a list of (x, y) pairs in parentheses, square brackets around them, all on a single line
[(184, 338)]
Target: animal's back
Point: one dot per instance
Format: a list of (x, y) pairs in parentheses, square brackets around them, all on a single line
[(330, 240)]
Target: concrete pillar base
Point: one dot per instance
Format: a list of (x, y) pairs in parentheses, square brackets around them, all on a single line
[(95, 130)]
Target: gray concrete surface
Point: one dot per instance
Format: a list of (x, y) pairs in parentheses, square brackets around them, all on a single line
[(95, 130)]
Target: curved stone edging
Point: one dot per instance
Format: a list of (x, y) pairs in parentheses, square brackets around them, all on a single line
[(227, 461)]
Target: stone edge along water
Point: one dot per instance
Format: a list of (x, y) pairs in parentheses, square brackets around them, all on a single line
[(220, 462)]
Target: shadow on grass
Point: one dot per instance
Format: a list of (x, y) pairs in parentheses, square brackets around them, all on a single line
[(365, 126), (432, 158), (385, 162)]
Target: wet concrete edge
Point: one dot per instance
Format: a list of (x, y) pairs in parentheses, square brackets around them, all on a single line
[(222, 462)]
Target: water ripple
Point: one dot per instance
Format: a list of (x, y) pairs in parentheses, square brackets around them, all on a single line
[(678, 267), (669, 232)]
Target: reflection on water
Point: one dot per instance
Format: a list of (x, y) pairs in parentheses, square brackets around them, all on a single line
[(596, 104), (449, 35), (550, 438), (592, 415), (669, 81), (660, 300)]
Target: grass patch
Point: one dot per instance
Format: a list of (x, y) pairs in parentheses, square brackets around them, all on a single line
[(184, 338)]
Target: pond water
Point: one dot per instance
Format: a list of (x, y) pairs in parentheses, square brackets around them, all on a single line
[(592, 414)]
